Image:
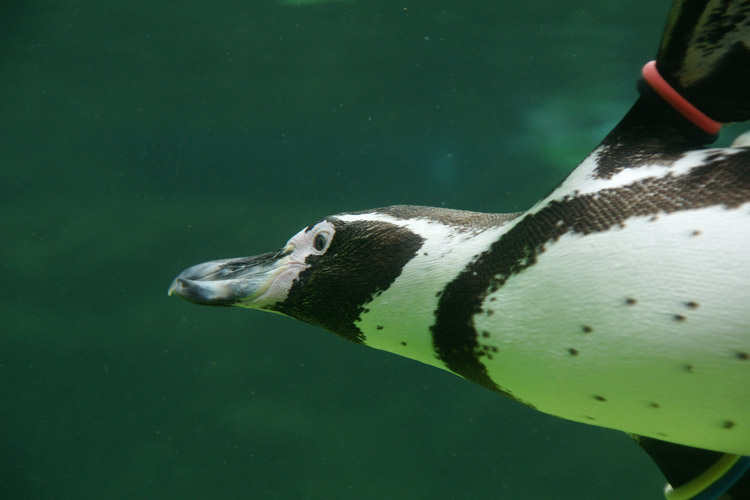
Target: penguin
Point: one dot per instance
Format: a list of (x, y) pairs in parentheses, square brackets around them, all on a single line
[(621, 299)]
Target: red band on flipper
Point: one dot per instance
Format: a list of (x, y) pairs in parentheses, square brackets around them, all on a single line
[(679, 103)]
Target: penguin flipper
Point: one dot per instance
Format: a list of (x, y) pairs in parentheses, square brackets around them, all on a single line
[(705, 55), (683, 464)]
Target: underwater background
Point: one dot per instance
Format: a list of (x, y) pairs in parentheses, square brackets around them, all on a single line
[(138, 138)]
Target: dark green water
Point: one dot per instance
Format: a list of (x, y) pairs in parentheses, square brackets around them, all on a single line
[(141, 137)]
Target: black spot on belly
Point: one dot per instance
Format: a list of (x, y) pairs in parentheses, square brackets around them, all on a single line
[(728, 424), (600, 398), (586, 329)]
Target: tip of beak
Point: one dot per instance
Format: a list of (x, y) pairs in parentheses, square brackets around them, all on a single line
[(210, 293), (190, 284), (192, 291), (175, 287)]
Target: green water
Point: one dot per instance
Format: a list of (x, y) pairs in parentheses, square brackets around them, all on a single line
[(140, 137)]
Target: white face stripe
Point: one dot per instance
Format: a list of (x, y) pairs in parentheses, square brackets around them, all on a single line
[(301, 245), (405, 311)]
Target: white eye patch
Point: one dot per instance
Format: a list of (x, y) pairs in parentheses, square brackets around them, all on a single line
[(312, 241)]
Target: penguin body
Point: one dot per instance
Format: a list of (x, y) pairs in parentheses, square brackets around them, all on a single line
[(622, 344), (638, 325), (621, 299), (585, 335)]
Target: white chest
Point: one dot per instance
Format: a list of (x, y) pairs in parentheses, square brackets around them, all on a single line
[(642, 328)]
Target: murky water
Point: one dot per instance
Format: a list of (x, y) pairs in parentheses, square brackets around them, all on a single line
[(141, 137)]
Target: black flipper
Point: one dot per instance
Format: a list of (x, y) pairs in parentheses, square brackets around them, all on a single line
[(681, 464), (705, 56)]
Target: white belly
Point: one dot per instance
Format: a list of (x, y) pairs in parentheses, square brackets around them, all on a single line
[(644, 328)]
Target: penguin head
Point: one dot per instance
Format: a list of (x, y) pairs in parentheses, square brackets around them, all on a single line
[(325, 274)]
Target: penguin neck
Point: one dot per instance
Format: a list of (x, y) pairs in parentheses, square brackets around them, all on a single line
[(398, 320), (648, 133)]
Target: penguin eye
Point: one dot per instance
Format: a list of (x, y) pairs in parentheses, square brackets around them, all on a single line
[(320, 242)]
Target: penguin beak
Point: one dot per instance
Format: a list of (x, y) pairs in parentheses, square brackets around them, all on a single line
[(242, 282)]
